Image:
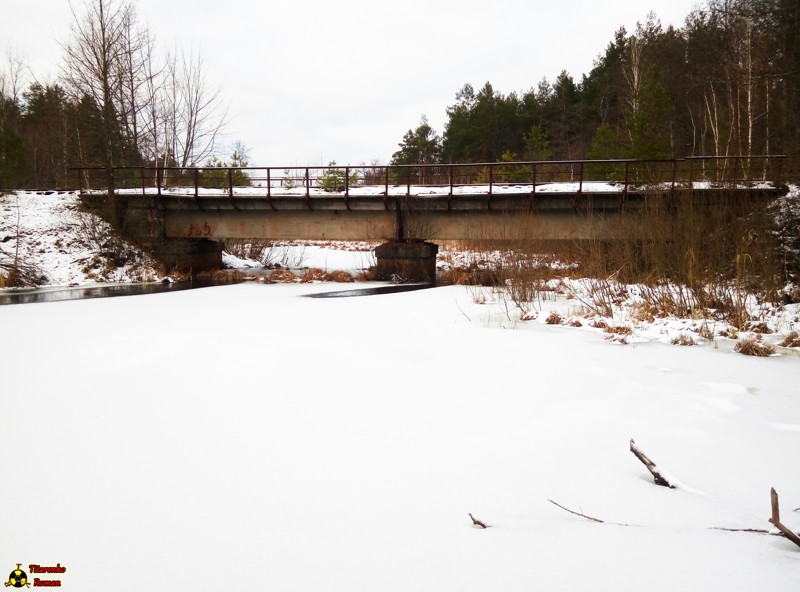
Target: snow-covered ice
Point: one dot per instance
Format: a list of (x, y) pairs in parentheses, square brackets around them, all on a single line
[(245, 436)]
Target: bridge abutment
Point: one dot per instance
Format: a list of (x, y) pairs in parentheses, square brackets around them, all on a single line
[(189, 254), (413, 261), (142, 221)]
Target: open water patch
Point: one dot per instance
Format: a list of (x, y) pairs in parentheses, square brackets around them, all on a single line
[(391, 289), (34, 295)]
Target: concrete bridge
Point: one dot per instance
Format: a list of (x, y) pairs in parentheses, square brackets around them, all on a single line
[(183, 215)]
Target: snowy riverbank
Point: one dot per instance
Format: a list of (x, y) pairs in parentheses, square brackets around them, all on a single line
[(247, 435)]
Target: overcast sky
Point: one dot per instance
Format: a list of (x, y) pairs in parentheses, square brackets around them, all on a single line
[(312, 81)]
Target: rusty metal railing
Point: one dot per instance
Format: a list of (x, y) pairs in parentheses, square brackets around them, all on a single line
[(448, 179)]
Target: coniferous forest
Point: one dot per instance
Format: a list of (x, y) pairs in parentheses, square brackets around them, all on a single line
[(724, 84)]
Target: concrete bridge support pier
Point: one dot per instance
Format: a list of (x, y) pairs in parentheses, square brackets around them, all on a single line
[(413, 261)]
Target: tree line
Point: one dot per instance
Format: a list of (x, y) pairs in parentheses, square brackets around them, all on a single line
[(119, 100), (724, 84)]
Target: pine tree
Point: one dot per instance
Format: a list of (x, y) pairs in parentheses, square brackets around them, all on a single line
[(419, 146)]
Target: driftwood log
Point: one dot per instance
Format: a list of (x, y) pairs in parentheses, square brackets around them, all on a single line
[(651, 466), (477, 522), (775, 520)]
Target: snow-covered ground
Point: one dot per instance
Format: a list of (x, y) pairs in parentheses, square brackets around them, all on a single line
[(248, 436)]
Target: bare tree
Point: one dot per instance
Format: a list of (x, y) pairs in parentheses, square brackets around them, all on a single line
[(92, 64), (136, 74), (12, 77), (195, 114)]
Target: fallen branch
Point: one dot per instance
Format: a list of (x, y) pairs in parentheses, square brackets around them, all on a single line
[(775, 520), (753, 530), (476, 522), (651, 466), (576, 513), (591, 518)]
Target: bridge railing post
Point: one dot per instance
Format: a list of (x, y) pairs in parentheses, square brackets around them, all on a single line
[(386, 186), (627, 172), (450, 178), (674, 173)]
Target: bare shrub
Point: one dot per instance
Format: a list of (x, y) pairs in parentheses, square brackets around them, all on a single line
[(14, 271), (276, 255), (575, 323), (665, 299), (598, 295), (752, 347), (252, 248)]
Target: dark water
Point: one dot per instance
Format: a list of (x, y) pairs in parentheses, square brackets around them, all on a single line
[(33, 295), (392, 289)]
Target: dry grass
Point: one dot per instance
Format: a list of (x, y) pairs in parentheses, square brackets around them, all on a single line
[(282, 276), (683, 339), (759, 327), (340, 276), (368, 275), (619, 330), (454, 277), (792, 340), (222, 275), (313, 274), (753, 347), (554, 318), (618, 334), (705, 331)]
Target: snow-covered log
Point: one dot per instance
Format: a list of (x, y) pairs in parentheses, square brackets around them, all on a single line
[(775, 520), (651, 466)]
